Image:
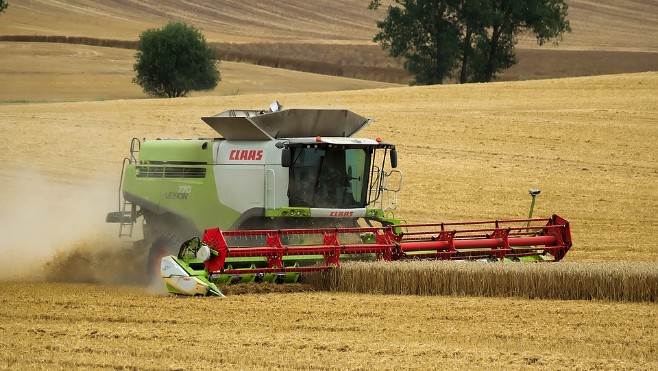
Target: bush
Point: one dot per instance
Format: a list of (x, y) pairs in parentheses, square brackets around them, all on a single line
[(174, 60)]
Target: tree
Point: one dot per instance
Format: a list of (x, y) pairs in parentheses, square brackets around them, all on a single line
[(471, 17), (175, 60), (421, 32), (3, 5), (486, 32), (506, 19)]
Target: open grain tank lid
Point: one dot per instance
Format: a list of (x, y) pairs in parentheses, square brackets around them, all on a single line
[(289, 123)]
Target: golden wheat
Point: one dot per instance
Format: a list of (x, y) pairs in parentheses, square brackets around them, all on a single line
[(636, 281)]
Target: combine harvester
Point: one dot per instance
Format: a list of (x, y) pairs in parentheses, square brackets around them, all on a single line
[(290, 191)]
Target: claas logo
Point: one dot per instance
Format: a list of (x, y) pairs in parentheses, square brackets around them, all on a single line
[(341, 213), (245, 154)]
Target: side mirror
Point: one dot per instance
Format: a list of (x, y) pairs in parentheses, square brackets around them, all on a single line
[(286, 157), (394, 158)]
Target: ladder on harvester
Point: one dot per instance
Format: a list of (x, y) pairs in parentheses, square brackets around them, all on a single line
[(127, 210), (126, 223)]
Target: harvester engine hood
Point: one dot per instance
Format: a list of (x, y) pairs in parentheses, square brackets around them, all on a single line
[(289, 123)]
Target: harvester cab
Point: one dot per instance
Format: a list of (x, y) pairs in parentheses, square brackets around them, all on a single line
[(324, 171)]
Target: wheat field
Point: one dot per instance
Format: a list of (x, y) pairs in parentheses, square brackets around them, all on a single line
[(66, 326), (467, 153), (68, 298)]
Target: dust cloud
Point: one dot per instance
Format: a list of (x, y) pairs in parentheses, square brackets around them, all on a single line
[(55, 231)]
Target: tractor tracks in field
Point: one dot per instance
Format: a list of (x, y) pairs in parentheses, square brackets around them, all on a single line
[(500, 159)]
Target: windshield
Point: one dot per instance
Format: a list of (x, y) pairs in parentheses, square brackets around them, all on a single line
[(328, 177)]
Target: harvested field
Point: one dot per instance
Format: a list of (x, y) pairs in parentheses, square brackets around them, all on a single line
[(602, 25), (370, 62), (47, 72), (365, 62), (73, 326), (335, 39)]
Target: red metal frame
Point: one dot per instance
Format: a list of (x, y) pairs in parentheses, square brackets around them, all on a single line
[(447, 241)]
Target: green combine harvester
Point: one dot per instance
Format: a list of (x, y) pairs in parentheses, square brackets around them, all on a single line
[(283, 192)]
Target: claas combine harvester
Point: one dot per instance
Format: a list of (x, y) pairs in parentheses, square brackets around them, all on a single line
[(284, 192)]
